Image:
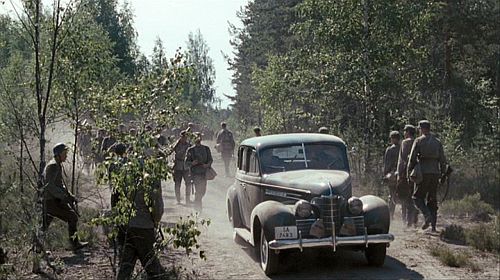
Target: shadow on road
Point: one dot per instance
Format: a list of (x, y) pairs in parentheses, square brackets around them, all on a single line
[(323, 264)]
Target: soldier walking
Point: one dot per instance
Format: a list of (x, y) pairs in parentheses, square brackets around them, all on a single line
[(181, 171), (427, 151), (225, 142), (404, 188), (390, 167), (58, 201), (199, 159), (140, 234)]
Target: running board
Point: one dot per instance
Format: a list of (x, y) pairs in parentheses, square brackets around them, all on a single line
[(245, 234)]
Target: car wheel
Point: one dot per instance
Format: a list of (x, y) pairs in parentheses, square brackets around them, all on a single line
[(375, 254), (269, 260)]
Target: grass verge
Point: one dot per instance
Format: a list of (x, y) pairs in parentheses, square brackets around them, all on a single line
[(453, 259)]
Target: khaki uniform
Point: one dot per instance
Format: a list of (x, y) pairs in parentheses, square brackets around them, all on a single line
[(404, 188), (427, 150), (390, 167), (181, 171), (226, 143), (56, 199), (202, 155), (140, 235)]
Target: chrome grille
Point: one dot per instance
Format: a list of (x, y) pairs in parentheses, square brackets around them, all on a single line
[(329, 212), (304, 226), (358, 222)]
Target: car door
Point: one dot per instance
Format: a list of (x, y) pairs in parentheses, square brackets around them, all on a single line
[(242, 176)]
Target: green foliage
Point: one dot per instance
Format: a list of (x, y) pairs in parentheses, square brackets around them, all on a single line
[(185, 234), (453, 233), (470, 205), (485, 237), (454, 259)]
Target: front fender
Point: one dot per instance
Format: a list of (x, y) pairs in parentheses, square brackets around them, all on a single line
[(233, 211), (376, 213), (268, 215)]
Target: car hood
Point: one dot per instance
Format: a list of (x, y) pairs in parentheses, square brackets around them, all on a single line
[(318, 182)]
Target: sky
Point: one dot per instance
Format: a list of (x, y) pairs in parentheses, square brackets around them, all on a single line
[(172, 20)]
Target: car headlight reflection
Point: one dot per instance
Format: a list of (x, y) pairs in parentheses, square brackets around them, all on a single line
[(303, 209), (355, 205)]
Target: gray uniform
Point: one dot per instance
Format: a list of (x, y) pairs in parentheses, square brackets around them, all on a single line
[(404, 188), (427, 150), (226, 143), (390, 167), (181, 170), (140, 235), (202, 155), (57, 197)]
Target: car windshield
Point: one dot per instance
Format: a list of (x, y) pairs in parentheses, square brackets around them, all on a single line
[(302, 156)]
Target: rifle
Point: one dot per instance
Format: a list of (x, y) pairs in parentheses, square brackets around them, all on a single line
[(74, 207), (445, 181)]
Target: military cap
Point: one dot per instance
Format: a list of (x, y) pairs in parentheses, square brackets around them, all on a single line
[(223, 124), (424, 124), (120, 148), (394, 134), (59, 148), (323, 130), (409, 128), (256, 129)]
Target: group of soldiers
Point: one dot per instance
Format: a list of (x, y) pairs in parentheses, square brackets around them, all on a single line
[(192, 161), (413, 170)]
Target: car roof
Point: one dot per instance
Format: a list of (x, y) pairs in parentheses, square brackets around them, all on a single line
[(263, 142)]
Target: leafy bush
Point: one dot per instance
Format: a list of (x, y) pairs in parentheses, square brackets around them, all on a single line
[(453, 233), (485, 237), (470, 205), (450, 258)]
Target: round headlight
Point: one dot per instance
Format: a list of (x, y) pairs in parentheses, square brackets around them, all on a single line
[(303, 209), (355, 205)]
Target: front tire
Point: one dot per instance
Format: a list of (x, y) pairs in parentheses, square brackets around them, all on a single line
[(269, 260), (375, 254)]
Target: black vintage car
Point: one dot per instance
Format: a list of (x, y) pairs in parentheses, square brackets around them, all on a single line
[(293, 191)]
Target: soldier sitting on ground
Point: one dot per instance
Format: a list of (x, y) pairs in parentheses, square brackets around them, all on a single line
[(58, 201)]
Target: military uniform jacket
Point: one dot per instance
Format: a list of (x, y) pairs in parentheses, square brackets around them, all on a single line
[(147, 215), (427, 150), (202, 155), (54, 184), (404, 155), (391, 159), (180, 150), (226, 140)]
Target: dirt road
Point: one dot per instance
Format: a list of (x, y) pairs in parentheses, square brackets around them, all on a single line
[(407, 258)]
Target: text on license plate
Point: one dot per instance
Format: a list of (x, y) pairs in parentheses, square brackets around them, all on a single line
[(289, 232)]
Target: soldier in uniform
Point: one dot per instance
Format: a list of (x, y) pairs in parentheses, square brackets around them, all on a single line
[(390, 166), (257, 131), (58, 201), (323, 130), (226, 144), (428, 152), (140, 235), (199, 159), (181, 171), (404, 188)]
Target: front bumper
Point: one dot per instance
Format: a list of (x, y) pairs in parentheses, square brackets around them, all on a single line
[(331, 241)]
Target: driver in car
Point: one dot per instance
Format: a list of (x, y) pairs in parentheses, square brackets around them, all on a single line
[(270, 162)]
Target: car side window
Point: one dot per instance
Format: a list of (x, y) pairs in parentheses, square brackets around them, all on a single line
[(244, 159), (240, 158), (253, 163)]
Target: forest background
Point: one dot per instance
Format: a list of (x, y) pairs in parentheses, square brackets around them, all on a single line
[(359, 67)]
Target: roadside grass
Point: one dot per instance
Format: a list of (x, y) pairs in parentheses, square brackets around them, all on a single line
[(453, 259), (485, 237), (453, 234), (469, 206)]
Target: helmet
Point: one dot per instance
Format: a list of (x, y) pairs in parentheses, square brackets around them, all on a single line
[(120, 148), (59, 148)]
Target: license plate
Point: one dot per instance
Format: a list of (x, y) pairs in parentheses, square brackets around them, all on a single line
[(289, 232)]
